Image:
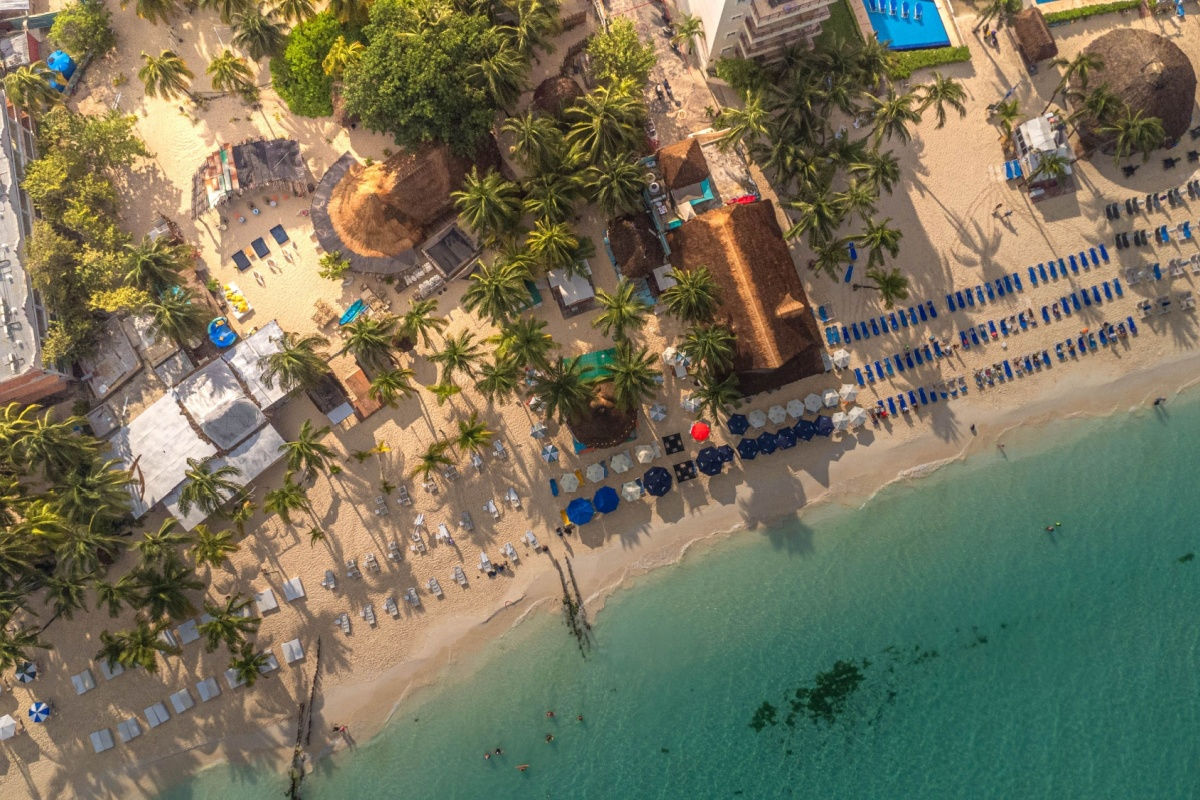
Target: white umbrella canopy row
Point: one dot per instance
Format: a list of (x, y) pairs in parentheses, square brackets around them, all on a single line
[(848, 392), (841, 421), (621, 462), (795, 409), (812, 402), (568, 482), (858, 417), (831, 399), (841, 358), (757, 418), (777, 414)]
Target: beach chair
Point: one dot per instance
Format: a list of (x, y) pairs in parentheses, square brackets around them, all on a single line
[(1094, 257), (390, 607), (1075, 301), (921, 311), (903, 318), (498, 449), (460, 576), (1087, 301), (932, 310), (1117, 287), (402, 496), (991, 327), (1007, 369), (1103, 252), (1083, 260), (343, 621), (418, 542), (532, 541), (410, 594), (974, 336), (970, 298), (962, 335), (887, 365), (937, 349), (823, 315), (990, 293), (845, 334), (1032, 277), (1103, 338), (854, 331), (979, 297), (329, 582), (903, 402), (1013, 280), (1074, 264), (912, 316), (917, 355), (394, 553), (874, 327), (434, 587), (241, 261), (921, 394), (1042, 272), (908, 359), (1108, 295), (1096, 295), (1004, 327), (490, 507), (831, 336), (999, 283), (1132, 326), (465, 522), (278, 234), (260, 247), (514, 499), (870, 374), (891, 406), (352, 570), (899, 363), (368, 613), (858, 376), (443, 534)]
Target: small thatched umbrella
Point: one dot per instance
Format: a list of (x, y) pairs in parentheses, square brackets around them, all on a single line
[(553, 95), (604, 425), (1150, 73)]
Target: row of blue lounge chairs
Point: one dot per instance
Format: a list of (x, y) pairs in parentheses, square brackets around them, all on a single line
[(912, 359), (914, 398), (1108, 335), (1161, 235), (1042, 273), (1075, 301), (879, 326)]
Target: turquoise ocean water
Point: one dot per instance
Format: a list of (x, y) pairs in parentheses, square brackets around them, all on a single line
[(985, 657)]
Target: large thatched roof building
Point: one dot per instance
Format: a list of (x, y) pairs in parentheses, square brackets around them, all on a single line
[(762, 297), (1034, 40), (1150, 73)]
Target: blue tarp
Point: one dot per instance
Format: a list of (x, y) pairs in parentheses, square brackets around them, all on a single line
[(737, 424), (580, 511), (824, 426), (767, 443), (657, 481), (709, 461), (747, 449), (606, 500)]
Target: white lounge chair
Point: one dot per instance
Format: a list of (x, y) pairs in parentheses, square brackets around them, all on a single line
[(490, 507), (109, 671), (352, 570), (460, 575), (293, 651), (394, 553), (233, 679), (207, 689), (381, 507), (156, 715), (101, 740), (389, 607), (181, 701), (485, 564), (372, 564), (513, 498), (465, 522), (330, 582), (443, 534), (498, 448), (270, 665), (532, 541), (343, 621), (293, 589), (368, 613), (435, 588), (265, 601), (510, 551), (418, 544), (83, 682), (412, 598), (188, 632), (402, 496), (128, 729)]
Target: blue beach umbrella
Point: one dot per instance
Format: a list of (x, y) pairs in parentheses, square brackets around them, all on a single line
[(606, 500), (27, 672), (580, 511), (747, 449), (726, 453), (709, 462), (39, 712), (785, 438), (824, 426), (767, 443), (805, 429), (657, 481), (737, 424)]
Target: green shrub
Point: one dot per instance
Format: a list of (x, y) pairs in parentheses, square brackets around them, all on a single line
[(909, 61), (742, 74), (298, 74), (1071, 14), (84, 28), (841, 25)]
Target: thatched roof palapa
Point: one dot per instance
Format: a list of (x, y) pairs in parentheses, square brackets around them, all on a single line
[(683, 163), (1034, 39), (1150, 73), (603, 425), (762, 297), (635, 246), (555, 94)]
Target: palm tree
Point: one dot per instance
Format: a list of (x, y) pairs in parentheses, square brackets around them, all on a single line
[(80, 550), (458, 354), (997, 10), (694, 297), (499, 379), (248, 663), (300, 363), (537, 23), (443, 391), (878, 238), (746, 125), (874, 60), (607, 121), (228, 624), (710, 348), (207, 488), (501, 74), (258, 30), (551, 195), (162, 543), (553, 245), (157, 11), (242, 510), (16, 644), (175, 317), (165, 76), (881, 169), (525, 341), (66, 593), (892, 285), (687, 28), (212, 547), (390, 386), (1006, 113), (341, 55), (225, 8), (369, 340), (287, 498), (135, 648), (97, 492), (473, 434), (820, 216), (51, 444), (29, 89), (349, 12), (295, 11), (1081, 66), (1133, 132), (431, 460), (535, 139), (893, 114), (162, 587), (623, 311), (633, 376), (859, 197), (490, 205), (230, 73), (155, 264), (497, 291), (563, 390), (307, 454), (942, 92), (616, 184), (1051, 166), (418, 323), (1099, 105), (717, 396), (115, 595)]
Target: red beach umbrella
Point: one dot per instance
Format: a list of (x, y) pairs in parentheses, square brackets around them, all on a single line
[(700, 431)]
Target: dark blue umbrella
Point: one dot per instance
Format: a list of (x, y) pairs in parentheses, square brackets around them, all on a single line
[(738, 424), (580, 511), (657, 481), (606, 500), (805, 430), (747, 449), (709, 461), (785, 438), (726, 453), (766, 443), (824, 426)]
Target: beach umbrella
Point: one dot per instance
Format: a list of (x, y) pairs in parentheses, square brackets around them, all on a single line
[(606, 500), (858, 417), (549, 453), (27, 672), (848, 392), (777, 414), (831, 399), (805, 429), (596, 472), (644, 453), (671, 355), (812, 402), (766, 443), (658, 412), (841, 421), (657, 481), (795, 409), (568, 482), (621, 462), (690, 404), (700, 431), (631, 490), (824, 425), (785, 438), (580, 511), (757, 419), (747, 449), (39, 712), (726, 453), (709, 461), (8, 727), (737, 424), (538, 431), (841, 358)]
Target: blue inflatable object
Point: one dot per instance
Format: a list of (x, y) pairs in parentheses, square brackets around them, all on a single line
[(64, 65), (356, 308), (220, 334)]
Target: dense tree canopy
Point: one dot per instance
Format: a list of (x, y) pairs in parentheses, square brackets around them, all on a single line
[(298, 75), (84, 28)]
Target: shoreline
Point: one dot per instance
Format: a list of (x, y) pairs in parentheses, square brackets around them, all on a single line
[(374, 703)]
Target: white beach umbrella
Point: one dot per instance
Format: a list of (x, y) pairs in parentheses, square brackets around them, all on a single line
[(670, 355), (831, 399), (631, 490), (795, 409), (777, 414), (858, 417), (645, 453), (848, 392), (549, 453), (841, 421), (595, 472), (8, 727), (538, 431), (690, 403), (757, 418), (658, 412), (621, 462), (813, 402), (568, 482), (841, 358)]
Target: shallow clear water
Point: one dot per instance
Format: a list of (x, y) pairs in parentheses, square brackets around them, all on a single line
[(996, 660)]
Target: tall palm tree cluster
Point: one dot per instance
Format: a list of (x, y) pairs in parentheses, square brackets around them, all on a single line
[(832, 177)]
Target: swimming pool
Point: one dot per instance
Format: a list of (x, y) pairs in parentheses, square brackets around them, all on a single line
[(907, 24)]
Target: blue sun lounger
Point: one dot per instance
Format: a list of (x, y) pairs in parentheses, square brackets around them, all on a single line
[(831, 337), (1046, 357), (921, 394), (961, 302), (854, 330), (1082, 345), (278, 234), (1103, 338), (1028, 364), (1042, 272), (1065, 304), (963, 336), (992, 328), (899, 363), (979, 295), (874, 328), (858, 376), (870, 375), (950, 302), (1075, 301), (1024, 325), (1117, 287), (1062, 267), (1000, 287), (1074, 264), (1008, 369), (260, 247), (937, 349), (240, 261), (991, 295), (891, 406), (912, 399), (970, 298), (932, 310), (895, 323), (1013, 280), (903, 318), (1107, 291), (917, 354), (1132, 325), (1003, 327), (1087, 301), (1157, 272), (1095, 258), (921, 310), (908, 359), (1046, 314), (845, 334), (878, 370), (974, 336), (1096, 295), (1083, 261), (902, 401), (1103, 252), (888, 366), (849, 274), (1032, 276), (928, 355), (1053, 270)]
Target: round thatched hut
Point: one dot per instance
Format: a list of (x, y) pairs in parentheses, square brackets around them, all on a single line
[(554, 95), (1150, 73), (604, 425)]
